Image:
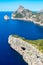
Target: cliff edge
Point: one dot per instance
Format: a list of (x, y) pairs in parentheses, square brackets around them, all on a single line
[(30, 54)]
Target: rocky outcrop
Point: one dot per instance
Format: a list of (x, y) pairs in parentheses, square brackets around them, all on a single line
[(25, 14), (30, 54), (6, 17), (22, 11)]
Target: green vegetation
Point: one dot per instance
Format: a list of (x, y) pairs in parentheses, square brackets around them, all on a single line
[(19, 15), (37, 43), (36, 16), (34, 13)]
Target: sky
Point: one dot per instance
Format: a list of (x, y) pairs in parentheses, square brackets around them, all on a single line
[(12, 5)]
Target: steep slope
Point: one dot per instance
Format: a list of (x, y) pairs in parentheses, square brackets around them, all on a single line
[(25, 14), (30, 54)]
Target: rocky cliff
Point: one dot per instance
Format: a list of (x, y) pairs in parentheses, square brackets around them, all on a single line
[(22, 13), (30, 54)]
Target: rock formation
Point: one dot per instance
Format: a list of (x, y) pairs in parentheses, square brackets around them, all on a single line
[(30, 54)]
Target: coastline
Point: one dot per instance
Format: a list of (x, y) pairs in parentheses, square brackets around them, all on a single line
[(24, 19), (31, 55)]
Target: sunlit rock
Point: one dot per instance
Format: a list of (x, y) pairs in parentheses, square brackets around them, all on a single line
[(6, 17)]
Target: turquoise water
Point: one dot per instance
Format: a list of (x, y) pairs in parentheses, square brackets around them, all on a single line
[(24, 29)]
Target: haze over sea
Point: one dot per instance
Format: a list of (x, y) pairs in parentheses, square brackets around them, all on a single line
[(24, 29)]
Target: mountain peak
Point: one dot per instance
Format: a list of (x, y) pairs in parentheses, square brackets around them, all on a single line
[(20, 9), (21, 6), (41, 10)]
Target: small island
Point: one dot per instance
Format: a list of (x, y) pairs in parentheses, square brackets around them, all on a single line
[(6, 17), (24, 14), (30, 50)]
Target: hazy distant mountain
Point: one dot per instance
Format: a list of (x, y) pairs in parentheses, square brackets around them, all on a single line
[(41, 10)]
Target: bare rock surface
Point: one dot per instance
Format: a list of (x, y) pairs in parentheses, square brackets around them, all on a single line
[(30, 54)]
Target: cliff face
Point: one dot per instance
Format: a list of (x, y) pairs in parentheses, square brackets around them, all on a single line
[(30, 54), (20, 9), (21, 12)]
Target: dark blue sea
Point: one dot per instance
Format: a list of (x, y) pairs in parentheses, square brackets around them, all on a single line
[(25, 29)]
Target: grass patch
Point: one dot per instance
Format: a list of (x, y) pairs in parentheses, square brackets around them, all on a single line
[(37, 43)]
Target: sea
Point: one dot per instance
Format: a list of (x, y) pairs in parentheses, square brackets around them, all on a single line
[(25, 29)]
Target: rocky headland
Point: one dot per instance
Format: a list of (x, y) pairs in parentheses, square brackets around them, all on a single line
[(29, 53), (24, 14)]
